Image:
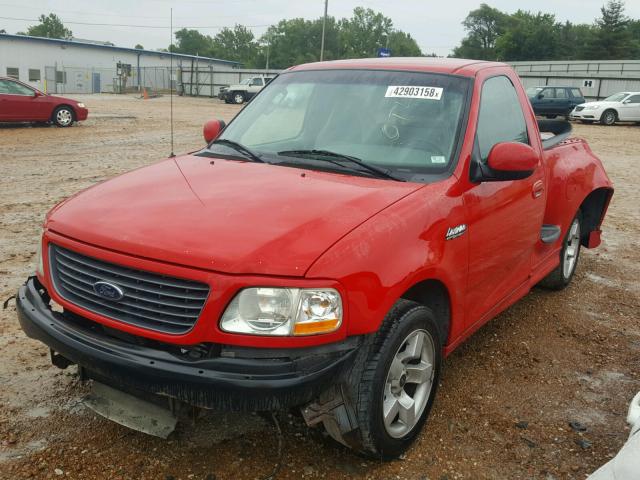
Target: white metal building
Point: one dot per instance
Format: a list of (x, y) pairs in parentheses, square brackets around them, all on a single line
[(76, 66), (596, 78)]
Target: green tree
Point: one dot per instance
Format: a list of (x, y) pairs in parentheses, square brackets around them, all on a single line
[(237, 44), (50, 26), (403, 44), (296, 41), (484, 26), (138, 47), (529, 37), (192, 42), (365, 32), (613, 36)]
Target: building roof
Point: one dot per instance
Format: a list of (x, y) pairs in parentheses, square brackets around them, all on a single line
[(87, 44), (458, 66)]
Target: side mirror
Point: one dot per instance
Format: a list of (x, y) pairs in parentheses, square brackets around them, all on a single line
[(626, 101), (212, 130), (511, 161), (540, 96)]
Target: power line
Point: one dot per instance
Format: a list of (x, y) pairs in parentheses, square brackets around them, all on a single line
[(202, 27)]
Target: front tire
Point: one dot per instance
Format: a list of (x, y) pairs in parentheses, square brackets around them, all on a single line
[(238, 98), (63, 117), (609, 117), (395, 387), (559, 278)]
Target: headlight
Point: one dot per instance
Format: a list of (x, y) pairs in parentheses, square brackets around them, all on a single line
[(283, 311), (81, 105), (39, 262), (592, 107)]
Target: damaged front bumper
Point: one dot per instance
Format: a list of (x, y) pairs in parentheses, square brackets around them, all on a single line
[(223, 378)]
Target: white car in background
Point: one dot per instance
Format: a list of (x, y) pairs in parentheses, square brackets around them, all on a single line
[(620, 107)]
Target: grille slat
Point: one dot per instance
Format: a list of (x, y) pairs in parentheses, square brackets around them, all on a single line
[(90, 291), (127, 272), (136, 286), (152, 301), (88, 284)]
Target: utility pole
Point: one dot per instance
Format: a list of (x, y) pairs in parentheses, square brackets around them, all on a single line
[(324, 24)]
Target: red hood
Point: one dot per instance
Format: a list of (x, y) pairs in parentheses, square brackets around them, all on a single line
[(235, 217)]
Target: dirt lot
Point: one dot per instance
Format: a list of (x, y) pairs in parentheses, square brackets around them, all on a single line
[(506, 399)]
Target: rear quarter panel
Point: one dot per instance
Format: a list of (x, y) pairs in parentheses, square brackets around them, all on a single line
[(573, 172)]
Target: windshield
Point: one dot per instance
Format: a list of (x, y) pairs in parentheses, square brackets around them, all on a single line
[(616, 97), (246, 81), (533, 91), (406, 123)]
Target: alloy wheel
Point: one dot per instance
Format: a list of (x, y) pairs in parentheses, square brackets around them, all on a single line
[(409, 383), (572, 248)]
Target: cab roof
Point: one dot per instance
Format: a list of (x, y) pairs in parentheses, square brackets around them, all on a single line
[(458, 66)]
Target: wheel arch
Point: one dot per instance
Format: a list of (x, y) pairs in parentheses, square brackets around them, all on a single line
[(593, 209), (610, 109), (434, 294)]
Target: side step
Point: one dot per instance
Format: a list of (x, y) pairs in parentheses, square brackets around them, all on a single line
[(130, 411), (550, 233)]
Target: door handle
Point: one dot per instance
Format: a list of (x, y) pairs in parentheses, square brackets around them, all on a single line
[(537, 189)]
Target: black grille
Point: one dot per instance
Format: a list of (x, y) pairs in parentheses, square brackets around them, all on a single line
[(579, 109), (152, 301)]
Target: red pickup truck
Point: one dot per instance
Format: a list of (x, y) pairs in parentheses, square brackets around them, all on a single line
[(351, 226)]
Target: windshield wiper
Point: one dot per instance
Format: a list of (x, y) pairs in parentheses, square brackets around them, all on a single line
[(333, 156), (239, 148)]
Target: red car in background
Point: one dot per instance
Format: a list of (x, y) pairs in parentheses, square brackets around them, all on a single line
[(21, 103)]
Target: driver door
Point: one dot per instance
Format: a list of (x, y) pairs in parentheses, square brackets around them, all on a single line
[(19, 102), (504, 218)]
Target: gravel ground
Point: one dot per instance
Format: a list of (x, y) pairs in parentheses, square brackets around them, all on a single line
[(507, 396)]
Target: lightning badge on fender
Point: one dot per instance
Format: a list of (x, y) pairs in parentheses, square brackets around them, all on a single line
[(455, 232)]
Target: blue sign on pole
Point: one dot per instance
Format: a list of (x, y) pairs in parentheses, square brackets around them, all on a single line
[(384, 52)]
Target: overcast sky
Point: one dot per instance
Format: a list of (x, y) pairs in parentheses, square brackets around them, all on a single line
[(434, 24)]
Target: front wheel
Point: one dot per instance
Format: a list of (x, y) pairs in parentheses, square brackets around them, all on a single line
[(238, 98), (563, 273), (609, 117), (396, 386), (63, 117)]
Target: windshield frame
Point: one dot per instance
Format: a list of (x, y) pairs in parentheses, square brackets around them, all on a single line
[(458, 139)]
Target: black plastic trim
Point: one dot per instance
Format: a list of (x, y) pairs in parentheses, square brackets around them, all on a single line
[(244, 379)]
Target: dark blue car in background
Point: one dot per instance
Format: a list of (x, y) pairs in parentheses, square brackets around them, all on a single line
[(553, 101)]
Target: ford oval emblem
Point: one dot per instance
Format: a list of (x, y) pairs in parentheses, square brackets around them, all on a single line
[(108, 291)]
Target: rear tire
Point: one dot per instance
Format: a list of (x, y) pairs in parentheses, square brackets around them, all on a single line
[(609, 117), (394, 387), (63, 117), (559, 278)]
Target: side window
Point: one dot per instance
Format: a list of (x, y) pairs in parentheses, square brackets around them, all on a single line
[(4, 86), (14, 88), (576, 93), (634, 99), (549, 93), (561, 93), (501, 118)]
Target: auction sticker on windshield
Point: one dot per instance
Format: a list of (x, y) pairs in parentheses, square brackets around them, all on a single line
[(408, 91)]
